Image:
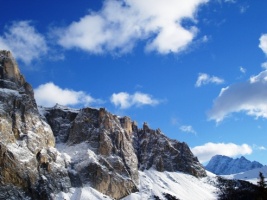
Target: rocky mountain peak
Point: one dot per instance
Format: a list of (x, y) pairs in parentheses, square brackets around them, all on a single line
[(224, 165), (47, 150), (27, 142), (155, 150), (9, 68), (10, 76)]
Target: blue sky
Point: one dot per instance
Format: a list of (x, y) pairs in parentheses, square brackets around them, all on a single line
[(195, 69)]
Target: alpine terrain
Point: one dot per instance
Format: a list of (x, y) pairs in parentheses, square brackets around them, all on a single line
[(224, 165), (63, 153)]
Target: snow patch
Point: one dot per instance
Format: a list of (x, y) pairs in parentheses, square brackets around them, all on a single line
[(182, 186), (251, 176), (85, 193), (79, 154)]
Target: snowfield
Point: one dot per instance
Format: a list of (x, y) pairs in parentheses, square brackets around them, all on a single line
[(250, 176), (153, 183), (180, 185), (85, 193)]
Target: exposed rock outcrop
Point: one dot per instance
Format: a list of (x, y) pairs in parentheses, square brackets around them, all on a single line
[(156, 150), (24, 136), (112, 166), (45, 151)]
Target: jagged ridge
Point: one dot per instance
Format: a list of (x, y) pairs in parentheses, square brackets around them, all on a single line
[(93, 147), (224, 165)]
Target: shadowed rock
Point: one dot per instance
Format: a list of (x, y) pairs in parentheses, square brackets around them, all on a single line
[(93, 147), (24, 135)]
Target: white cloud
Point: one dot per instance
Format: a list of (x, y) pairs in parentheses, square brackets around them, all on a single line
[(125, 100), (264, 65), (242, 70), (230, 1), (260, 148), (263, 43), (208, 150), (204, 79), (243, 8), (120, 24), (24, 41), (249, 97), (49, 94), (187, 129)]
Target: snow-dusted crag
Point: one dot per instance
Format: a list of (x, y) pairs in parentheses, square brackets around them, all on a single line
[(110, 149), (30, 166), (156, 150), (97, 149), (224, 165), (55, 150)]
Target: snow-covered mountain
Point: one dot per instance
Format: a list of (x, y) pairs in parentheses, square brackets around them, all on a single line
[(86, 152), (91, 154), (224, 165)]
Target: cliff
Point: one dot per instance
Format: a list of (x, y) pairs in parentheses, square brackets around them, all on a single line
[(48, 150)]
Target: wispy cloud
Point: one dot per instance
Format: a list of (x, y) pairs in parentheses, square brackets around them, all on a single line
[(243, 8), (49, 94), (208, 150), (124, 100), (260, 148), (263, 43), (242, 70), (230, 1), (204, 79), (264, 65), (119, 25), (249, 97), (24, 41), (187, 129)]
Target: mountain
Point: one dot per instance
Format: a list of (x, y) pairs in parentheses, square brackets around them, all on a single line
[(45, 152), (223, 165), (30, 166)]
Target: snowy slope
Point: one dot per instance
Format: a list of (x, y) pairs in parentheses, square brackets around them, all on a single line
[(153, 183), (85, 193), (177, 184), (251, 176)]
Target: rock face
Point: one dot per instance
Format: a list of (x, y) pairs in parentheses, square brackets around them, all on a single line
[(109, 163), (224, 165), (156, 150), (45, 151), (29, 163)]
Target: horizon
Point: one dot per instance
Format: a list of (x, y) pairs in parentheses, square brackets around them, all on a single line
[(197, 70)]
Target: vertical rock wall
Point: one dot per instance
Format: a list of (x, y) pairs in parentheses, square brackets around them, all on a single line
[(24, 136)]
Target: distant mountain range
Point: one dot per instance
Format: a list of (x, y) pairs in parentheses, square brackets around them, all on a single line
[(224, 165)]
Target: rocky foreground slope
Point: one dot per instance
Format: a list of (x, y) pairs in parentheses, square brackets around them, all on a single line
[(106, 150)]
